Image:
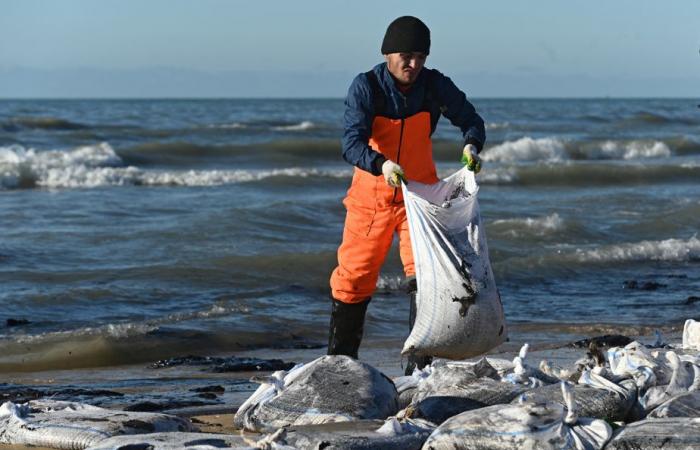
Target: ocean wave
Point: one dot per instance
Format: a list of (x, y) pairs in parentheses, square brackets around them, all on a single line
[(651, 118), (497, 125), (229, 126), (553, 150), (266, 125), (20, 167), (602, 174), (94, 166), (527, 149), (585, 173), (666, 250), (43, 123), (127, 330), (122, 343), (292, 151), (564, 260), (221, 177), (635, 150), (534, 225), (655, 118), (186, 153), (302, 126)]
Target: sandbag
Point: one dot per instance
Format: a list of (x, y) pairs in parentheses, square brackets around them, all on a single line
[(174, 441), (454, 387), (591, 401), (406, 386), (459, 311), (392, 434), (69, 425), (677, 433), (645, 366), (691, 335), (685, 377), (522, 426), (329, 389), (682, 405)]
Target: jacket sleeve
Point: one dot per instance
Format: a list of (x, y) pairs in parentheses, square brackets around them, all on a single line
[(358, 118), (460, 112)]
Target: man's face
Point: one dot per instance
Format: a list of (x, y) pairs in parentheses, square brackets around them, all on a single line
[(405, 67)]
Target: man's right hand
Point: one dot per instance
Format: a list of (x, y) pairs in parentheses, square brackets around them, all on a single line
[(393, 173), (470, 158)]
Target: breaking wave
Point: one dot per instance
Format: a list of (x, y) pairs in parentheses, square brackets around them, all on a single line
[(635, 150), (556, 150), (666, 250), (122, 343), (527, 149), (99, 165), (575, 173), (567, 259), (533, 225)]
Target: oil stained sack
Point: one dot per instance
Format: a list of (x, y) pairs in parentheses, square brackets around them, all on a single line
[(459, 311)]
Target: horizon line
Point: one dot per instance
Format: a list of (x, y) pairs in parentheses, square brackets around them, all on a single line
[(601, 97)]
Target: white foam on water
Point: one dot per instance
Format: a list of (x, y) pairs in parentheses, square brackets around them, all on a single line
[(635, 150), (666, 250), (303, 126), (538, 225), (110, 330), (20, 166), (498, 176), (497, 125), (390, 282), (99, 165), (220, 177), (234, 125), (129, 329), (527, 149)]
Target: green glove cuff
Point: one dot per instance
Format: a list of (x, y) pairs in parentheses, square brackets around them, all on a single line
[(472, 164)]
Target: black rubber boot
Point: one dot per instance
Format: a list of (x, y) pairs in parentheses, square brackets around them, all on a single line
[(414, 362), (347, 325)]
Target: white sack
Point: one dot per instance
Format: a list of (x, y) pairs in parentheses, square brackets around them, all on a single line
[(69, 425), (691, 335), (459, 311)]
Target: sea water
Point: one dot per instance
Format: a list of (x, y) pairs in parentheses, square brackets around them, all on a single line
[(132, 230)]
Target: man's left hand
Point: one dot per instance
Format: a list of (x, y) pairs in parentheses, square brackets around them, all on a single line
[(470, 158)]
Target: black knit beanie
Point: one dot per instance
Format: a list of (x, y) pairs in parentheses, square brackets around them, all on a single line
[(405, 35)]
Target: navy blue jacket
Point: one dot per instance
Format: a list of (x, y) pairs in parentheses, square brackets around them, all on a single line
[(359, 112)]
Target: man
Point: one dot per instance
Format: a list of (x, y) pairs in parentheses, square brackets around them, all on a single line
[(390, 115)]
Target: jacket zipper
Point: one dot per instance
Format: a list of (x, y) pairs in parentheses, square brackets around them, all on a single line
[(398, 156)]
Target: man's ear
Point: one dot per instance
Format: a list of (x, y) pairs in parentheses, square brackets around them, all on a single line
[(386, 57)]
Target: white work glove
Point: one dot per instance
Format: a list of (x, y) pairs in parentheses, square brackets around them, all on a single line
[(393, 173), (470, 158)]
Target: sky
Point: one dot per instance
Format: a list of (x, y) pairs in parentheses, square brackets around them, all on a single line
[(217, 48)]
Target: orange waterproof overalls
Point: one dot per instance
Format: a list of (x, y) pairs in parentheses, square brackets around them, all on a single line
[(375, 210)]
